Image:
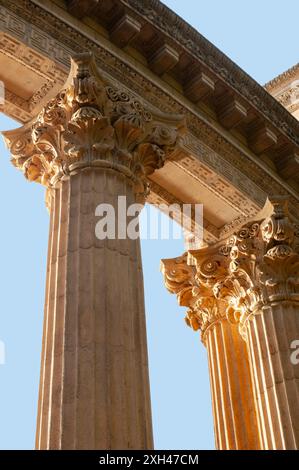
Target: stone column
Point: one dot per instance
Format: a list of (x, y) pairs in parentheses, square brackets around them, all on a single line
[(91, 144), (236, 425), (252, 280), (233, 401), (265, 264)]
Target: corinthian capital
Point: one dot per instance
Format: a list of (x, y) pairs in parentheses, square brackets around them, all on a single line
[(266, 256), (92, 123), (183, 280), (235, 278), (260, 263)]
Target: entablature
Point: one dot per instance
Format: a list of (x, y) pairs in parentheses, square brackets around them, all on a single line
[(241, 144)]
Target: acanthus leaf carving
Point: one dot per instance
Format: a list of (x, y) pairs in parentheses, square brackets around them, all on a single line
[(182, 279), (236, 278), (91, 123)]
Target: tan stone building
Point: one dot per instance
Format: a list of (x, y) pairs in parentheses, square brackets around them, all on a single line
[(149, 109)]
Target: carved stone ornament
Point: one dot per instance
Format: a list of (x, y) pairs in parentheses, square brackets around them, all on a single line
[(91, 123), (256, 267), (183, 280)]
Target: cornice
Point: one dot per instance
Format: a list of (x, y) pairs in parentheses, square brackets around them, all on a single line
[(289, 74), (186, 37), (153, 11)]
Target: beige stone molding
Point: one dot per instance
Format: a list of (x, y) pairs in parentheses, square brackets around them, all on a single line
[(90, 123), (290, 97), (50, 74)]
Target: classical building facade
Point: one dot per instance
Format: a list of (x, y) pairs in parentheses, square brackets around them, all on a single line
[(123, 98)]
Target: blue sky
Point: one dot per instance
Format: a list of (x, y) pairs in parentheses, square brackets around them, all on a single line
[(261, 37)]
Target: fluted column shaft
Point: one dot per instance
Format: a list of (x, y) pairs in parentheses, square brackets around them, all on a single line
[(94, 386), (276, 380), (233, 401)]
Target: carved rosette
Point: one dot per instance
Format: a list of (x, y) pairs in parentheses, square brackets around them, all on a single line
[(256, 267), (91, 123)]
